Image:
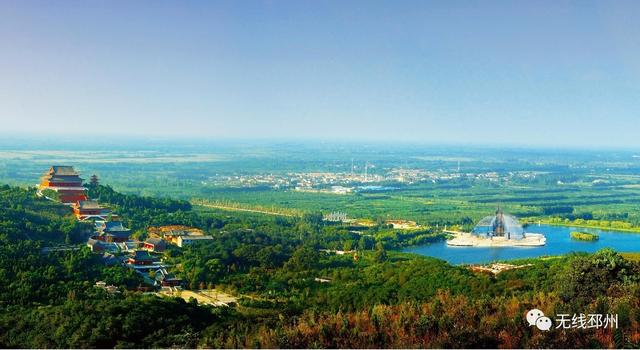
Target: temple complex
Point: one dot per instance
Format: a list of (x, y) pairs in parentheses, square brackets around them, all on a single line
[(66, 182)]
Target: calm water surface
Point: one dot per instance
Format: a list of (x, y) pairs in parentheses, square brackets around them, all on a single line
[(558, 242)]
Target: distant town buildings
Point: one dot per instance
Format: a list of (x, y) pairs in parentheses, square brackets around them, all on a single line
[(344, 182), (341, 189)]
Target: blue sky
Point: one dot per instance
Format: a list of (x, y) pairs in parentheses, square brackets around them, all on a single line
[(500, 72)]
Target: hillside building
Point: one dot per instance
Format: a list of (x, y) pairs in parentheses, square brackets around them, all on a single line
[(141, 257), (98, 246), (112, 231), (173, 235), (85, 210), (155, 244), (191, 239), (66, 182), (165, 279)]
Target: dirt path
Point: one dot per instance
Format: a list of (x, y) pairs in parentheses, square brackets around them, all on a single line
[(205, 296)]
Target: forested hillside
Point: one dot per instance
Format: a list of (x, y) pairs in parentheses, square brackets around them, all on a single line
[(291, 294), (22, 216)]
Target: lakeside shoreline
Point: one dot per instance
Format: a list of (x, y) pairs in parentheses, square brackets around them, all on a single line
[(622, 230)]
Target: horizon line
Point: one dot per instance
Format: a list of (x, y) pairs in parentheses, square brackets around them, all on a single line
[(74, 139)]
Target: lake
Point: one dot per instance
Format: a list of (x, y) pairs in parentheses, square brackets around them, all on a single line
[(558, 242)]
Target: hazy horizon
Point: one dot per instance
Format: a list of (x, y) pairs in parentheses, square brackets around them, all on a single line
[(34, 142), (466, 73)]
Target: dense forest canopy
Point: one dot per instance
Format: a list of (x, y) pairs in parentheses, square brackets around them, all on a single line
[(22, 216)]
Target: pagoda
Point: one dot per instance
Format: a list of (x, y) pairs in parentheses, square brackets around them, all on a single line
[(94, 181), (66, 182)]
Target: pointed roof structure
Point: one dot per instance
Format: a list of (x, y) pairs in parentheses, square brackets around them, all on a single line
[(500, 225)]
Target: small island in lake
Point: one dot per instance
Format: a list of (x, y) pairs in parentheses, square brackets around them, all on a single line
[(584, 236)]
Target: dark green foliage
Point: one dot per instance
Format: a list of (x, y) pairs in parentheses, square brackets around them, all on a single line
[(100, 321), (590, 276), (141, 212), (129, 202), (49, 299), (304, 258), (381, 253), (51, 194), (557, 210), (31, 276), (24, 216), (234, 251), (313, 219)]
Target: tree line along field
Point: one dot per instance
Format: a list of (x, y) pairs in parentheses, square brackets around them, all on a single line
[(456, 203), (560, 191), (442, 203)]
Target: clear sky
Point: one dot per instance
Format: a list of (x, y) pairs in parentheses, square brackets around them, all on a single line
[(513, 72)]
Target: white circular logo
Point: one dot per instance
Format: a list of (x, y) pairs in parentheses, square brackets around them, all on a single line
[(536, 318)]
